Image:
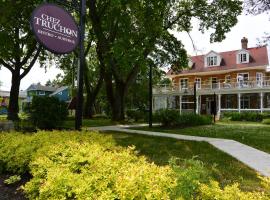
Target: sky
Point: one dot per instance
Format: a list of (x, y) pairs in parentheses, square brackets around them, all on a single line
[(251, 27)]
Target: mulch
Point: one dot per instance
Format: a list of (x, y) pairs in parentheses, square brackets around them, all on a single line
[(13, 191)]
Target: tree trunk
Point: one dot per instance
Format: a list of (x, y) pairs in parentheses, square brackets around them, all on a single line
[(89, 106), (118, 109), (13, 107), (91, 93)]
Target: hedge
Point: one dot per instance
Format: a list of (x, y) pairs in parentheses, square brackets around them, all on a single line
[(171, 118)]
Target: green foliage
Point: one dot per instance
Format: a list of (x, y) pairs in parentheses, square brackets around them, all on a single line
[(166, 117), (81, 171), (48, 112), (88, 165), (12, 179), (136, 115), (244, 116), (174, 118), (189, 173), (232, 192)]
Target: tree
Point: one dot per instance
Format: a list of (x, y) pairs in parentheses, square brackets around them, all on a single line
[(93, 76), (19, 50), (256, 7), (131, 34)]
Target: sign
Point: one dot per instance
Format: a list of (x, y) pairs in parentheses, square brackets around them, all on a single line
[(55, 28)]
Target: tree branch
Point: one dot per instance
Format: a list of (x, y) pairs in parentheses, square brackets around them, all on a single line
[(32, 62), (2, 62)]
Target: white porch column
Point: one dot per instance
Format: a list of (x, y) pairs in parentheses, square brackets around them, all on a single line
[(261, 107), (197, 104), (180, 104), (239, 102), (219, 105)]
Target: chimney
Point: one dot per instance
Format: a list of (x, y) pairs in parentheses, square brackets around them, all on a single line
[(244, 43)]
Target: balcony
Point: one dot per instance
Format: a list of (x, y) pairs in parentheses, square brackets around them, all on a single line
[(219, 87)]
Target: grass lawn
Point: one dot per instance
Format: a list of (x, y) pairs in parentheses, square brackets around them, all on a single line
[(222, 167), (89, 122), (254, 134)]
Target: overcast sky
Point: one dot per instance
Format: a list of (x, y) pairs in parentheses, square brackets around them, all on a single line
[(251, 27)]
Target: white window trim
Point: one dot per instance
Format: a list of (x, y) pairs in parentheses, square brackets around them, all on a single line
[(181, 84), (41, 93), (239, 55), (242, 73), (259, 82), (198, 86), (215, 83), (212, 54)]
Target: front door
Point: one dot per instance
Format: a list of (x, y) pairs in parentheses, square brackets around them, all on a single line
[(259, 79)]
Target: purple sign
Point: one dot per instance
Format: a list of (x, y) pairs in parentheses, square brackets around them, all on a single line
[(55, 28)]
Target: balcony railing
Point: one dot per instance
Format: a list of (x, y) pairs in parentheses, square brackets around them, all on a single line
[(221, 85)]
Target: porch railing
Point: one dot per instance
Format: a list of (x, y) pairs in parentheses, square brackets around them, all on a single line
[(233, 84)]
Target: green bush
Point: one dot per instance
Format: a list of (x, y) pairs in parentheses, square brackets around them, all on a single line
[(136, 115), (166, 117), (244, 116), (88, 165), (174, 118), (89, 171), (48, 112)]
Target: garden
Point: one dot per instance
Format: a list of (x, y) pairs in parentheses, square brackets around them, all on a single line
[(91, 165)]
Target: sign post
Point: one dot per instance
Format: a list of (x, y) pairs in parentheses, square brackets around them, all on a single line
[(79, 106), (55, 29)]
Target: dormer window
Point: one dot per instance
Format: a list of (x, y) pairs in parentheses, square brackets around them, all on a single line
[(242, 56), (212, 61)]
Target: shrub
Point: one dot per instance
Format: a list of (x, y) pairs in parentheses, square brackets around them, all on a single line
[(173, 118), (231, 192), (166, 117), (80, 171), (136, 115), (73, 165), (48, 112), (244, 116), (189, 119)]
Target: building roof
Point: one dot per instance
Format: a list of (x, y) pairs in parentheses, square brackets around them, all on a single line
[(22, 94), (59, 90), (258, 57), (35, 87)]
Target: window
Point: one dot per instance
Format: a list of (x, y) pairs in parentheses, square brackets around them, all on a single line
[(259, 79), (245, 102), (242, 79), (243, 57), (212, 61), (41, 92), (229, 103), (184, 83), (198, 83), (214, 83), (184, 102), (228, 79)]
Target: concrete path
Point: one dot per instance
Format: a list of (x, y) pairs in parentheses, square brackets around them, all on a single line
[(254, 158)]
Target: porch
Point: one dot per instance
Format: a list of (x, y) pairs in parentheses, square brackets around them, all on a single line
[(205, 104)]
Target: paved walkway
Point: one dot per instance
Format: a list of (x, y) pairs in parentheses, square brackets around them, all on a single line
[(254, 158)]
